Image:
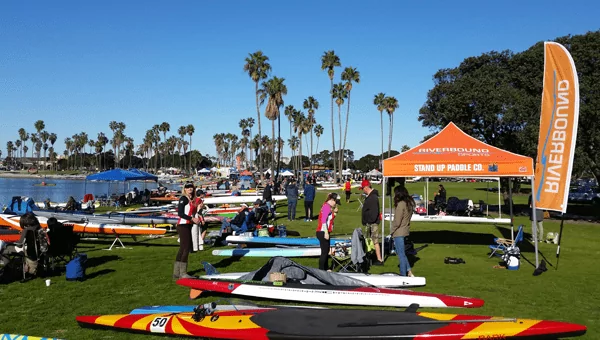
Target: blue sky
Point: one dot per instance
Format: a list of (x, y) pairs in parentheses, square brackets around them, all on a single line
[(78, 65)]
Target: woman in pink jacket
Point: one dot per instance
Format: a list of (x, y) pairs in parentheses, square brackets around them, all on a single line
[(325, 227)]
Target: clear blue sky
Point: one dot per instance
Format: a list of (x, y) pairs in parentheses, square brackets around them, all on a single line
[(78, 65)]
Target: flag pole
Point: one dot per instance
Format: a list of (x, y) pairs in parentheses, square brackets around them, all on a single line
[(562, 221)]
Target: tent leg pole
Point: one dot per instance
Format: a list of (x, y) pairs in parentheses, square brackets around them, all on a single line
[(499, 200), (534, 221), (383, 219), (510, 208)]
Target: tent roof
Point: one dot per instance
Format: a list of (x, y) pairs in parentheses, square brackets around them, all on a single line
[(145, 174), (453, 153), (115, 175)]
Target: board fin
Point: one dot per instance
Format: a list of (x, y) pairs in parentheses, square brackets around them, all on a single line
[(412, 308), (209, 268), (195, 293)]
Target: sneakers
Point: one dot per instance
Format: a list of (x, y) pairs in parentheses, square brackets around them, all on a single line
[(378, 263), (201, 247)]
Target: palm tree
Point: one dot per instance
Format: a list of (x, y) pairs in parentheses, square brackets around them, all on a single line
[(293, 144), (25, 149), (311, 104), (155, 139), (179, 146), (18, 144), (9, 150), (190, 131), (251, 122), (219, 139), (340, 94), (39, 126), (23, 136), (164, 128), (391, 104), (349, 75), (38, 149), (379, 102), (289, 112), (103, 140), (52, 157), (318, 130), (258, 68), (182, 131), (243, 124), (273, 91), (301, 128), (328, 62)]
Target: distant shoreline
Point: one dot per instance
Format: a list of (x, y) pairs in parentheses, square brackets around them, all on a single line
[(7, 174)]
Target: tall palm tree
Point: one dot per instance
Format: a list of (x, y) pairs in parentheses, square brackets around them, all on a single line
[(311, 104), (164, 128), (182, 131), (340, 94), (329, 61), (23, 136), (349, 75), (103, 140), (44, 135), (258, 68), (391, 104), (39, 127), (189, 129), (251, 122), (155, 139), (25, 149), (318, 130), (273, 91), (18, 144), (9, 150), (289, 112), (379, 102), (243, 124), (38, 150), (179, 146), (301, 128), (219, 139), (52, 157), (293, 143)]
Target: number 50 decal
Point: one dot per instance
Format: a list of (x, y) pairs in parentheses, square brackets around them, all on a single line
[(158, 324)]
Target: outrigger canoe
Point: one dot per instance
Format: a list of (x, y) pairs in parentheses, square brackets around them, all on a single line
[(303, 323), (90, 228)]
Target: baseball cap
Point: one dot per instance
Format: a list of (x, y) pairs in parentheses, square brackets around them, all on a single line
[(258, 201)]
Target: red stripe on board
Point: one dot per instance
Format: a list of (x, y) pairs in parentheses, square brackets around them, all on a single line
[(91, 319), (449, 300), (129, 320), (248, 333)]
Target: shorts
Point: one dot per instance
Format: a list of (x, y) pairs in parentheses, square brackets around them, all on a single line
[(375, 232)]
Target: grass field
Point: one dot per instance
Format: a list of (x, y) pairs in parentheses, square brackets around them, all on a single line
[(123, 279)]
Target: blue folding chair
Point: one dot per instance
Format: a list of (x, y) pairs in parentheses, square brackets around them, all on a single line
[(502, 244)]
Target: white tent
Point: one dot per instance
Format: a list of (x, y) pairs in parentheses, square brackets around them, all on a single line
[(204, 171), (287, 173), (374, 173), (346, 172)]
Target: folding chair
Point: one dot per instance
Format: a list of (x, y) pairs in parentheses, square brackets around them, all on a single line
[(502, 244), (63, 244), (341, 257)]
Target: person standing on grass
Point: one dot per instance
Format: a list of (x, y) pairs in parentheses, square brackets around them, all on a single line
[(309, 198), (268, 197), (325, 227), (404, 205), (348, 189), (291, 191), (199, 230), (371, 217), (186, 210)]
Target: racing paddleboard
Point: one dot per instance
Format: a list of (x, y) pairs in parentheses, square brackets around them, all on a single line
[(301, 323), (329, 294), (111, 218), (269, 252), (377, 280), (286, 241)]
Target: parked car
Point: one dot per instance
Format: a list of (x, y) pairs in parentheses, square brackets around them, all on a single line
[(584, 195)]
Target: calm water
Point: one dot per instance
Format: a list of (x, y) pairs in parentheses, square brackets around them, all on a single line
[(64, 188)]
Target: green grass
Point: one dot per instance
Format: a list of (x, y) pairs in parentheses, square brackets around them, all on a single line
[(123, 279)]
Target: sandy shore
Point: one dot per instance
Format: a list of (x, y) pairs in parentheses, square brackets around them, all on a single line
[(12, 174)]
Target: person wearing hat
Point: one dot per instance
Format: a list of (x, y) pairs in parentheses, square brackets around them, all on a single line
[(238, 223), (186, 210)]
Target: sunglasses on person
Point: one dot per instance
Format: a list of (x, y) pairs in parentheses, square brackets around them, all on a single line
[(189, 185)]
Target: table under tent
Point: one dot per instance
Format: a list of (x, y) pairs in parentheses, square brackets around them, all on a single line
[(451, 154)]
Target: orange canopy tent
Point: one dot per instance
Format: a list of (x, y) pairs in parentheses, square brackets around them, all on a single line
[(453, 153)]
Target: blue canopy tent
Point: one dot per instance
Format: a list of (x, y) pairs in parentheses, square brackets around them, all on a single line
[(147, 176), (114, 175)]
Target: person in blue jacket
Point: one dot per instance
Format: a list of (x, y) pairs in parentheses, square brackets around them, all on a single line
[(291, 191), (309, 198)]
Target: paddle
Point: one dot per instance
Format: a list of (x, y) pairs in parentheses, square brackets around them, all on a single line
[(419, 322)]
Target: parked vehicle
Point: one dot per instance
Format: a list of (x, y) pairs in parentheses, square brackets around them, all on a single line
[(584, 194)]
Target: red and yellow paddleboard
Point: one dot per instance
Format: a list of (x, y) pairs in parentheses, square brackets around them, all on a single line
[(274, 323)]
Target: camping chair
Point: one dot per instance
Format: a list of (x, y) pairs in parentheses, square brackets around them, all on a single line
[(342, 254), (502, 244), (63, 244), (34, 253)]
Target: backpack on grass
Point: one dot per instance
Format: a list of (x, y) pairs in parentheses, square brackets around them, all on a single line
[(76, 268)]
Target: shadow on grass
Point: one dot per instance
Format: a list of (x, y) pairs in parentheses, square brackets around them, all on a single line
[(100, 260), (451, 237), (98, 273)]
